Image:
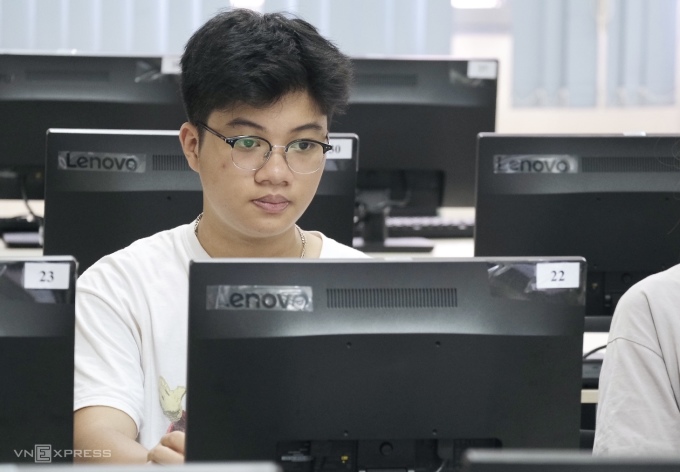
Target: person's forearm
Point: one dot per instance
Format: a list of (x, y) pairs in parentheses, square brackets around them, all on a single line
[(107, 445)]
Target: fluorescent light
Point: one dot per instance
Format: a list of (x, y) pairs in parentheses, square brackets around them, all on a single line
[(250, 4), (476, 4)]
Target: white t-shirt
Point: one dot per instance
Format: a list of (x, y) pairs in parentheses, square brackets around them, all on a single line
[(639, 388), (131, 329)]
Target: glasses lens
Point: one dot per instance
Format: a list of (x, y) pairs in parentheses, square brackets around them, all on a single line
[(250, 153), (304, 156)]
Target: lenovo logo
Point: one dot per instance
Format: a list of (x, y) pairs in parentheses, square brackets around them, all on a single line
[(101, 161), (259, 297), (535, 164)]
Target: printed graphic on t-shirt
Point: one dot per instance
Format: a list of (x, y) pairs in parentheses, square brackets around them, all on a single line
[(171, 403)]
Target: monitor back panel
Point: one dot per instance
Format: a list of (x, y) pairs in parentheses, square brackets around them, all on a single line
[(609, 198), (395, 102), (353, 354), (106, 189), (37, 319)]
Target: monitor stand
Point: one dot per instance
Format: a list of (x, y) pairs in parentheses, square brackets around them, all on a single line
[(374, 236)]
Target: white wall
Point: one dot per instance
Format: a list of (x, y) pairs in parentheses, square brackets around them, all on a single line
[(598, 119)]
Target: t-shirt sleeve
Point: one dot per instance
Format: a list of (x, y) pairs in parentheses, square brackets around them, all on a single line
[(637, 411), (108, 369)]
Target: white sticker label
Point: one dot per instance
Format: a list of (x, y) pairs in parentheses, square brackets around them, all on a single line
[(558, 275), (47, 275), (342, 148), (482, 70)]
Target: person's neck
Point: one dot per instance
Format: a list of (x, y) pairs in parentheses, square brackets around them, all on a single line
[(222, 243)]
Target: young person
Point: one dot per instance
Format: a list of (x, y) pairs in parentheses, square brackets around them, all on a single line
[(259, 92), (639, 388)]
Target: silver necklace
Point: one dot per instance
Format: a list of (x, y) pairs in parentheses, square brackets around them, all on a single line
[(303, 240), (198, 219)]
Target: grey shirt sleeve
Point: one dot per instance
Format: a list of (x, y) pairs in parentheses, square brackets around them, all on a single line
[(637, 411)]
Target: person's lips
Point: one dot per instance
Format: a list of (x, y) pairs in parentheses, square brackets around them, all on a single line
[(272, 203)]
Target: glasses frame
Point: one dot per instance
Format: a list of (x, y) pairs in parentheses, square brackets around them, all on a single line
[(231, 140)]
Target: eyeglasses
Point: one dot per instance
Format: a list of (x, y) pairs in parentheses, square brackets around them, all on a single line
[(303, 156)]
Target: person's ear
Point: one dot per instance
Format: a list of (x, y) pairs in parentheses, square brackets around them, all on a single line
[(188, 138)]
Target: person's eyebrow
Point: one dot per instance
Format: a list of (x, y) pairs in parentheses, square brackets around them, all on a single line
[(245, 122), (308, 127)]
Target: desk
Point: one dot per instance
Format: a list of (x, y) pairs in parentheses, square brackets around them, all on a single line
[(589, 396), (458, 247), (10, 208)]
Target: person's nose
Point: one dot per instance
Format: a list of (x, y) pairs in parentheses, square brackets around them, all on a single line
[(276, 168)]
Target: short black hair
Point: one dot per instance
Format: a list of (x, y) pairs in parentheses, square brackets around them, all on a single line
[(241, 57)]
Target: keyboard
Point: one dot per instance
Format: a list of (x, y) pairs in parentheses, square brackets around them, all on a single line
[(429, 227)]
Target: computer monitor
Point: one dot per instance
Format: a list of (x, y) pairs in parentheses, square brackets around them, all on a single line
[(218, 467), (418, 119), (107, 188), (41, 91), (37, 322), (382, 364), (562, 461), (612, 199)]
